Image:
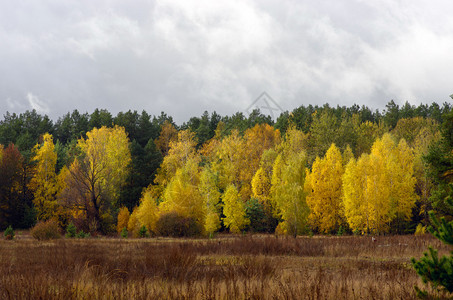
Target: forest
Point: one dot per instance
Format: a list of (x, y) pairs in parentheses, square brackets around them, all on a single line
[(315, 170)]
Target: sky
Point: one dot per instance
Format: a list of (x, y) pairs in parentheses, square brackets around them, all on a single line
[(185, 57)]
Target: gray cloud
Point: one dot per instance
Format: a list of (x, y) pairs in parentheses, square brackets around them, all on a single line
[(184, 57)]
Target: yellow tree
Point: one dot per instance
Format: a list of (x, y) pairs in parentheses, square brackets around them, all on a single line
[(133, 224), (410, 128), (257, 140), (288, 194), (44, 183), (403, 183), (230, 161), (295, 141), (367, 133), (238, 158), (379, 188), (378, 193), (234, 210), (357, 209), (97, 174), (147, 212), (168, 134), (181, 195), (123, 219), (261, 186), (209, 149), (347, 155), (323, 186), (211, 197), (181, 150)]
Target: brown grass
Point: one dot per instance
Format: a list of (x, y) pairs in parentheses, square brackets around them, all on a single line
[(251, 267)]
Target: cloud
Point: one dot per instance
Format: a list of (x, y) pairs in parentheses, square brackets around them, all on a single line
[(37, 104), (184, 57)]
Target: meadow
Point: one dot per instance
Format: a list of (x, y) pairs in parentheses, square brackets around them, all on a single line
[(226, 267)]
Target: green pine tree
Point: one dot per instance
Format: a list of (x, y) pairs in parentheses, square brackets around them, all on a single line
[(431, 268)]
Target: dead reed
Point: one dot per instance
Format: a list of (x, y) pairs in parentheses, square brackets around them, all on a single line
[(251, 267)]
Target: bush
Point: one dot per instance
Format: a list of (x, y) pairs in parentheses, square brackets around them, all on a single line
[(82, 235), (143, 232), (124, 233), (172, 224), (340, 231), (9, 233), (434, 269), (420, 229), (71, 230), (260, 219), (46, 230), (123, 219)]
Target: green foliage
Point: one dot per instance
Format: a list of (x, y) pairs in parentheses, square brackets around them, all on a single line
[(431, 268), (82, 235), (47, 230), (9, 233), (441, 230), (71, 230), (143, 232), (340, 231), (124, 233), (260, 219), (172, 224)]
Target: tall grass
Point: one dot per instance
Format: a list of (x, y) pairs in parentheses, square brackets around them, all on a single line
[(256, 267)]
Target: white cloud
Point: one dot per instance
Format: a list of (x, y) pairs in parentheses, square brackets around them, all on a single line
[(184, 57), (37, 104)]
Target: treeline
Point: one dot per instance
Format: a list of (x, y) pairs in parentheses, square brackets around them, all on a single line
[(316, 169)]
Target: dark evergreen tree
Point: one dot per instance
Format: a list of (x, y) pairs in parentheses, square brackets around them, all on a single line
[(99, 118), (431, 268)]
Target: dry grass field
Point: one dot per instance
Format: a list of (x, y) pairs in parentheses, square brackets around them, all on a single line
[(228, 267)]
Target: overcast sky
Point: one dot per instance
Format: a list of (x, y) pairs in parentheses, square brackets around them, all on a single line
[(184, 57)]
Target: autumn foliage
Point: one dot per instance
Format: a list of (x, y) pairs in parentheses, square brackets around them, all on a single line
[(320, 170)]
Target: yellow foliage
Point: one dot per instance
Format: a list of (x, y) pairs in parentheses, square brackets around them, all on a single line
[(379, 187), (123, 219), (420, 229), (238, 158), (98, 173), (287, 192), (182, 196), (147, 212), (261, 186), (133, 225), (323, 186), (44, 183), (211, 197), (181, 151), (234, 210), (168, 134)]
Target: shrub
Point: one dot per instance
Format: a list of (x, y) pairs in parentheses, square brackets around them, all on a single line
[(124, 233), (71, 230), (172, 224), (340, 231), (123, 219), (143, 232), (420, 229), (82, 235), (46, 230), (260, 219), (434, 269), (9, 233)]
